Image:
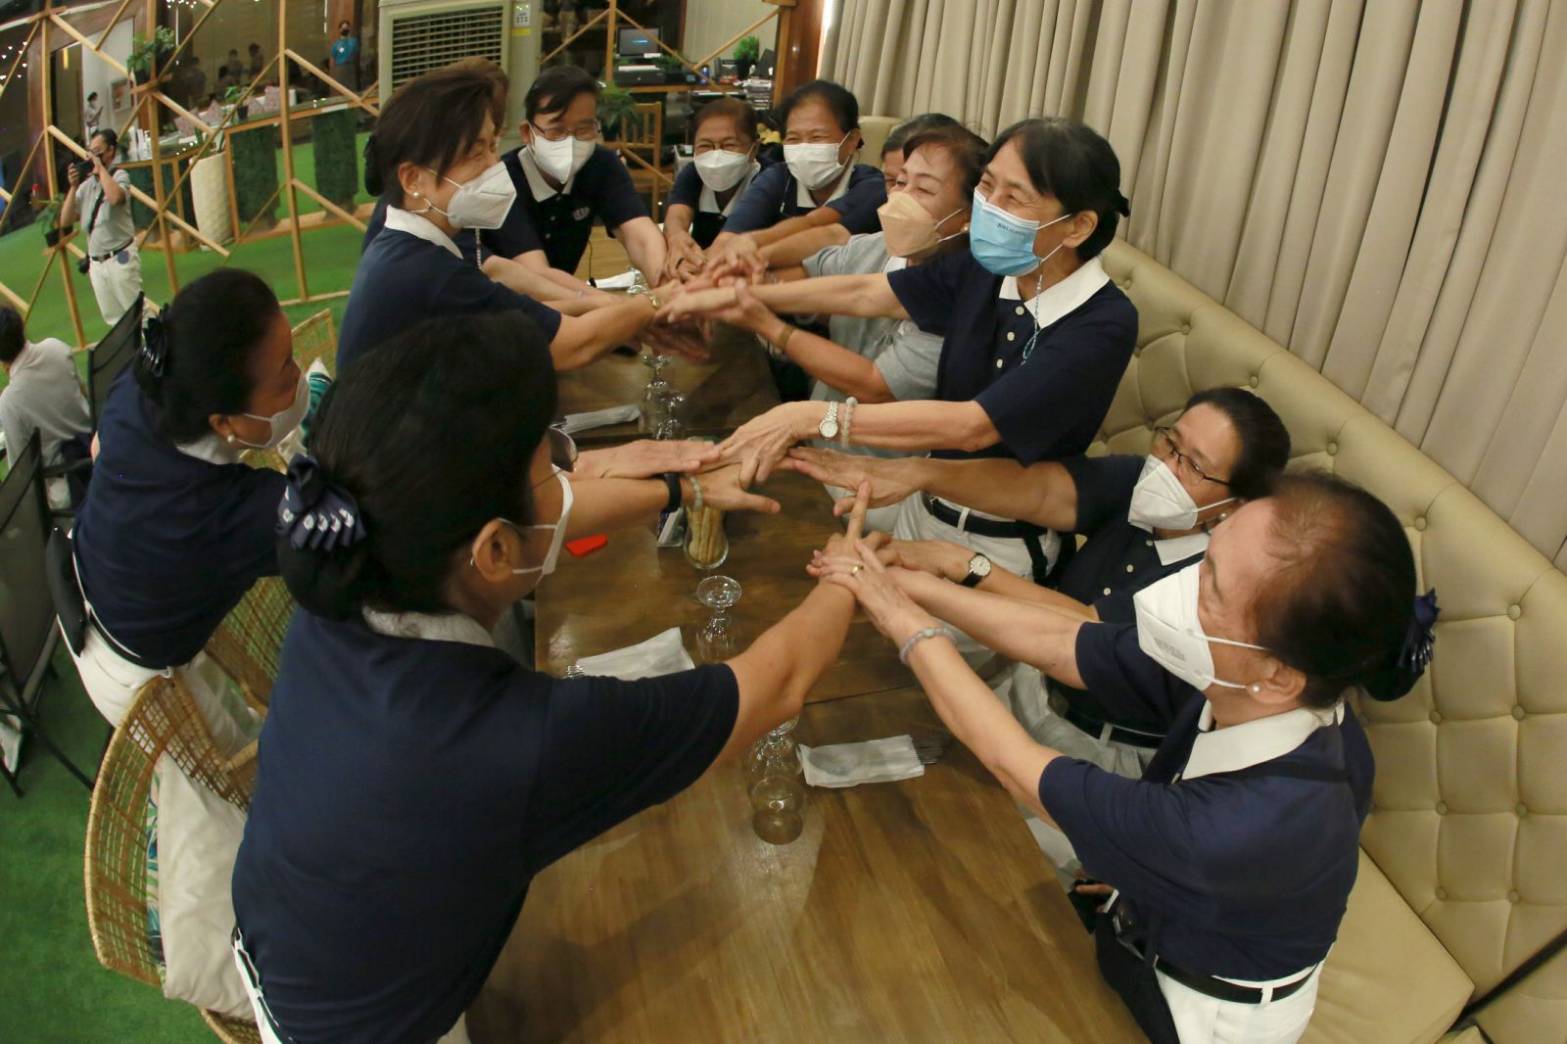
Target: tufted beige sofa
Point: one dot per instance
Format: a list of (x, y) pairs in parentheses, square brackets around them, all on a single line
[(1463, 870)]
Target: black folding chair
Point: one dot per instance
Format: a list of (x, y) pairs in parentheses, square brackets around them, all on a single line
[(110, 356), (28, 634)]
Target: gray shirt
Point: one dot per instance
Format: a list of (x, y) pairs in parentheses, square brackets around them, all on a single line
[(906, 356), (114, 228), (44, 395)]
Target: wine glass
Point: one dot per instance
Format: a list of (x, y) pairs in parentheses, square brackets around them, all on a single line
[(717, 640)]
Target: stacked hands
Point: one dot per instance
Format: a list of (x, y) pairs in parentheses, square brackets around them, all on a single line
[(699, 289), (722, 487)]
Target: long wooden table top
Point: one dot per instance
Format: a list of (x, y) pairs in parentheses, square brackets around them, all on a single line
[(632, 590), (721, 394), (912, 911)]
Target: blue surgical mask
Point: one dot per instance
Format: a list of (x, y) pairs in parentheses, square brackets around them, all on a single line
[(1004, 243)]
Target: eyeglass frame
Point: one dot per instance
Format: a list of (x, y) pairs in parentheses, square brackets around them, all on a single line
[(563, 450), (1166, 432), (593, 129)]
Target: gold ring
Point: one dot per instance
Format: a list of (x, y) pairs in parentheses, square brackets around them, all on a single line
[(856, 570)]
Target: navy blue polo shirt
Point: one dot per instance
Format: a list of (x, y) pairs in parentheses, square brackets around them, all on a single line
[(687, 191), (1047, 407), (166, 543), (562, 222), (1242, 873), (774, 195), (403, 279), (409, 791)]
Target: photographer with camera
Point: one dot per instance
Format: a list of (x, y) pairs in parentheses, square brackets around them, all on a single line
[(102, 191)]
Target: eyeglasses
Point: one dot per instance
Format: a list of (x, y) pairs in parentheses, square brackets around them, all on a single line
[(563, 451), (1164, 442), (587, 131)]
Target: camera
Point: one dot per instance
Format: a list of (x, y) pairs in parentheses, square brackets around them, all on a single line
[(84, 265), (83, 169)]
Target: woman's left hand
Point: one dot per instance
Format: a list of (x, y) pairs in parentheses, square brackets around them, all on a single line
[(875, 587), (646, 458), (723, 488), (761, 442)]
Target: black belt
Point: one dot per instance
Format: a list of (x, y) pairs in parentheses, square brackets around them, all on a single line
[(990, 527), (1063, 708), (1209, 985), (125, 246), (1027, 532)]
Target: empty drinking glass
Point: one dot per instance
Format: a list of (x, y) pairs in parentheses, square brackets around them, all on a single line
[(717, 640)]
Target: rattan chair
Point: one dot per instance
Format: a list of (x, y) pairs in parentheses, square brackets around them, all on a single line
[(163, 720), (316, 339), (248, 642)]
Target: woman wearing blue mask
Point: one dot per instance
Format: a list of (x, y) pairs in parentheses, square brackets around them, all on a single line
[(1223, 873), (414, 778), (1035, 335), (175, 529)]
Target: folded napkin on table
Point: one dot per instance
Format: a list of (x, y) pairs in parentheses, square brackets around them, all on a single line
[(660, 654), (575, 422), (850, 764)]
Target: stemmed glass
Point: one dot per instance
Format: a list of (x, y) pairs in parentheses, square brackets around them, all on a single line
[(717, 640)]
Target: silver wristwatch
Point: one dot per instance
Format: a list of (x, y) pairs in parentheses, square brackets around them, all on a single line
[(978, 569), (828, 428)]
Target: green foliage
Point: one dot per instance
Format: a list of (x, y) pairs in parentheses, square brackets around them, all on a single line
[(48, 218), (234, 93), (749, 49), (146, 53), (255, 174), (337, 167), (616, 106)]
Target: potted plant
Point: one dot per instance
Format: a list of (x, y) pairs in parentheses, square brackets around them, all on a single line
[(148, 55), (616, 109), (47, 219), (231, 98), (747, 51)]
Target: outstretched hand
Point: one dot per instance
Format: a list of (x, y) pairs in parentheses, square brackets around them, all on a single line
[(876, 587), (761, 442), (848, 470)]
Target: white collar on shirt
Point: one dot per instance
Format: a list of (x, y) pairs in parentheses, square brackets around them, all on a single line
[(1176, 548), (445, 627), (420, 227), (540, 188), (211, 448), (1065, 297), (1241, 746), (708, 202), (803, 195)]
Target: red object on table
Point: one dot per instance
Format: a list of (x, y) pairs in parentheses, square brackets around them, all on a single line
[(585, 546)]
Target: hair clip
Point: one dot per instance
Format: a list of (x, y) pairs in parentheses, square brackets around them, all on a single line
[(1420, 639), (315, 514), (1123, 204)]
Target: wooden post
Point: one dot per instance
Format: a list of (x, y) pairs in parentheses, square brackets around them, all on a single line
[(288, 154), (799, 44), (165, 240), (58, 254), (609, 42)]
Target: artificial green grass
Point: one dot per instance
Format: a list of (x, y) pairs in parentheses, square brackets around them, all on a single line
[(52, 988)]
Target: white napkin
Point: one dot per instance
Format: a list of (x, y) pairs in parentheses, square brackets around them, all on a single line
[(623, 281), (575, 422), (850, 764), (660, 654)]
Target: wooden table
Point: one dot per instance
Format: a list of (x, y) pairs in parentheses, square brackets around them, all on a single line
[(721, 394), (914, 911), (632, 590)]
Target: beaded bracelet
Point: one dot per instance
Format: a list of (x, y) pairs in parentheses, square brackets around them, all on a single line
[(696, 493), (848, 419), (939, 631)]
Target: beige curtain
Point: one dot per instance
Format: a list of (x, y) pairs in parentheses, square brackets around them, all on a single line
[(1375, 183)]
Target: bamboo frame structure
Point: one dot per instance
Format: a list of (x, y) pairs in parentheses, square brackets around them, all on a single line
[(49, 26)]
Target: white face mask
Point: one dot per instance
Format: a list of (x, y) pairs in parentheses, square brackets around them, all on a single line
[(557, 539), (721, 170), (483, 202), (560, 159), (1159, 501), (284, 422), (814, 165), (1170, 632)]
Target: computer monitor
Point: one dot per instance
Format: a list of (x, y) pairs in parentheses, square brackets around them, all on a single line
[(764, 65), (637, 42)]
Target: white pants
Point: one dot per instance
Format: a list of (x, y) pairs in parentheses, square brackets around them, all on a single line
[(458, 1034), (1201, 1019), (112, 683), (116, 283), (1027, 696), (916, 523)]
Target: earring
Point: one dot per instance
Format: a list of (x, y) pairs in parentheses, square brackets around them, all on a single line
[(1255, 689), (231, 438)]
